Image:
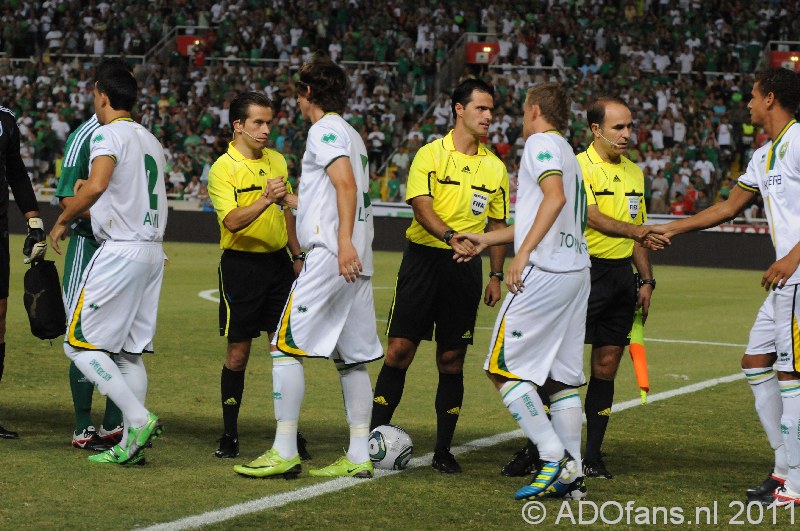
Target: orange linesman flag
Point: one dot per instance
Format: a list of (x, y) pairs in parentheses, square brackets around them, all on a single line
[(639, 355)]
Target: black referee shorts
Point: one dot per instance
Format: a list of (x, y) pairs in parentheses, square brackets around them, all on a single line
[(434, 290), (253, 289), (612, 300)]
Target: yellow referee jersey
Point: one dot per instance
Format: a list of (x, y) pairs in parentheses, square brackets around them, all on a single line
[(236, 181), (618, 192), (466, 189)]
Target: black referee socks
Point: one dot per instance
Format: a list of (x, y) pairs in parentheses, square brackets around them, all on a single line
[(449, 397), (599, 398), (232, 387), (388, 392)]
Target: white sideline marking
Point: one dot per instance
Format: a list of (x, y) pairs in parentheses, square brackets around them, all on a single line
[(285, 498)]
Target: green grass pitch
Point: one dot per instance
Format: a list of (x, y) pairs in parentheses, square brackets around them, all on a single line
[(687, 451)]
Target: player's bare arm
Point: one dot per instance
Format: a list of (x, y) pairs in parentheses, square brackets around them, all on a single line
[(641, 260), (241, 217), (344, 181), (483, 240), (64, 201), (497, 257), (612, 227), (710, 217), (293, 243), (277, 189), (85, 197), (554, 200), (431, 222)]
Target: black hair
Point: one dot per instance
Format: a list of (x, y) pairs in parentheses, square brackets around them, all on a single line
[(240, 105), (114, 78), (328, 84), (596, 113), (783, 83), (463, 92)]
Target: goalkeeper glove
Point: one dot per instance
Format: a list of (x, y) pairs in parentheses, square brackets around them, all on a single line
[(35, 244)]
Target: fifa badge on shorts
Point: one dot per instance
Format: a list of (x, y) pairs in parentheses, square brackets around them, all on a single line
[(633, 205), (479, 202)]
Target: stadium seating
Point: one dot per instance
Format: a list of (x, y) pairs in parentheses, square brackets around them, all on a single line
[(685, 74)]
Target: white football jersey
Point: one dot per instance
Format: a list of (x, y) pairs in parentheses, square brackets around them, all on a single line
[(134, 207), (563, 248), (330, 138), (774, 170)]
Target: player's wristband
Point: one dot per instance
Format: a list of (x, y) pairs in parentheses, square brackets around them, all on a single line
[(299, 256), (498, 274)]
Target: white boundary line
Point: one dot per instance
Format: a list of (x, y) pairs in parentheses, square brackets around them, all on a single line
[(279, 500)]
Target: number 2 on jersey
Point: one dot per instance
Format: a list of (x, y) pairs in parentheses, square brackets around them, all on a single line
[(151, 168), (581, 213)]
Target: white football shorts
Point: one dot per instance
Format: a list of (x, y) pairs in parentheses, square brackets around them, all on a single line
[(776, 328), (539, 333), (325, 316), (117, 304)]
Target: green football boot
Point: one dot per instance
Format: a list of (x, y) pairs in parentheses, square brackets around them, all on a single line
[(116, 455), (270, 464), (139, 437), (343, 467)]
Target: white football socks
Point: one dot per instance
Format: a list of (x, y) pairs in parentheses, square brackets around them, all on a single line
[(357, 393), (566, 414), (526, 407), (288, 389), (790, 423), (133, 370), (99, 369), (769, 406)]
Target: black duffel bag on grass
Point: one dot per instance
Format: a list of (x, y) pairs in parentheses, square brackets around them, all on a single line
[(43, 300)]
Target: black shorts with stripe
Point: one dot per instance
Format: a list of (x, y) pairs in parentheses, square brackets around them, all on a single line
[(433, 290), (253, 289), (612, 300)]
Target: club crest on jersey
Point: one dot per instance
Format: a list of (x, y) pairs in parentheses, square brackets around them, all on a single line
[(633, 205), (782, 151), (479, 202)]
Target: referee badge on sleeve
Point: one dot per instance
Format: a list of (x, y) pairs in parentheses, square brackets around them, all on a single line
[(479, 202), (633, 205)]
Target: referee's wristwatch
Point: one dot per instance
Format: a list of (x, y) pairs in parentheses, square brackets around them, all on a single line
[(448, 235), (648, 281), (498, 274), (299, 256)]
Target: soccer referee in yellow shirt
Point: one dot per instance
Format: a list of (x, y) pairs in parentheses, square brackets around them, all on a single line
[(255, 271), (455, 184), (615, 233)]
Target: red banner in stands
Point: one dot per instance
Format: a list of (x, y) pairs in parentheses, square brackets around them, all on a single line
[(481, 52), (790, 60)]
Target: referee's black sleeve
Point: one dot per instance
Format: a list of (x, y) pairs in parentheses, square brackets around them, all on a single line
[(16, 175)]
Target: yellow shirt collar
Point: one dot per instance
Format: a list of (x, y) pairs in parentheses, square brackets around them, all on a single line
[(447, 143)]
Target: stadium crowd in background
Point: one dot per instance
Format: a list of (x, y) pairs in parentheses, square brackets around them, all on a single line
[(684, 72)]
